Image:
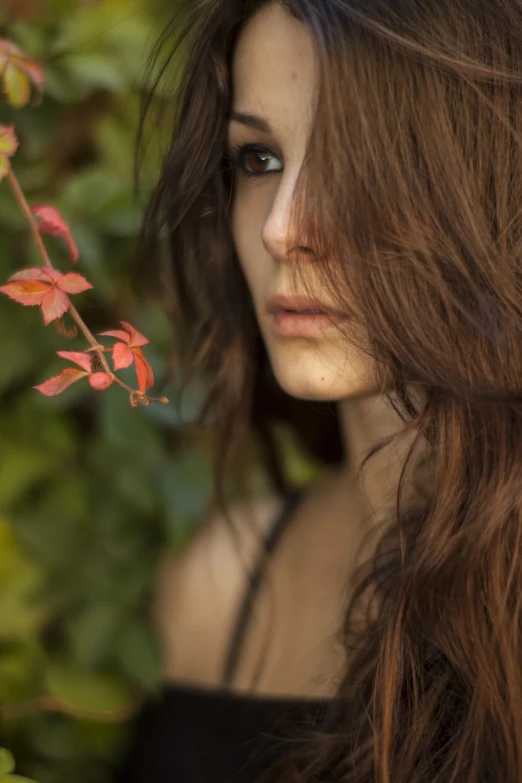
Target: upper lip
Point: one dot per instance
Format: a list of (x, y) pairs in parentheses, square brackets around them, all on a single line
[(298, 304)]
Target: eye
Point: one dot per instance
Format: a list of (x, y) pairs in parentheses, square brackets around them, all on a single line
[(254, 161)]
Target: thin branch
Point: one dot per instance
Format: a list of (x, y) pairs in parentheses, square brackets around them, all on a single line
[(136, 397)]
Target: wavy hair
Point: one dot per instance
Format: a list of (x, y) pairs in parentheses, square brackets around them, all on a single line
[(415, 153)]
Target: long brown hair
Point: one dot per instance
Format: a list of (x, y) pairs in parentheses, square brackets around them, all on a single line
[(415, 154)]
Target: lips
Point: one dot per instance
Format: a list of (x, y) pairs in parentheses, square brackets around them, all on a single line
[(298, 305), (302, 317)]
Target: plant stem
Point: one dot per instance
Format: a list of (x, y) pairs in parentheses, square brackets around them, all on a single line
[(51, 704), (26, 209)]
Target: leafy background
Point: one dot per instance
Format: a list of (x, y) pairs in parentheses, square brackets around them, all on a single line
[(92, 492)]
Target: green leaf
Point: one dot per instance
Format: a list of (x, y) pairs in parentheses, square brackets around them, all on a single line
[(58, 739), (92, 632), (20, 669), (55, 526), (120, 216), (20, 470), (95, 71), (139, 651), (20, 583), (17, 779), (184, 487), (7, 763), (127, 428), (30, 38), (8, 141), (100, 693), (17, 86)]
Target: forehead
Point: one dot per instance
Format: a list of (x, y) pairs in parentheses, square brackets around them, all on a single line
[(274, 63)]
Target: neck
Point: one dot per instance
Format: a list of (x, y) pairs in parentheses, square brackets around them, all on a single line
[(364, 422)]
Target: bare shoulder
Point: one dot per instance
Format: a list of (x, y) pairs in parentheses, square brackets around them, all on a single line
[(198, 591)]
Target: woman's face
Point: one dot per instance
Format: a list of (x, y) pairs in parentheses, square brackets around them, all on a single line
[(274, 77)]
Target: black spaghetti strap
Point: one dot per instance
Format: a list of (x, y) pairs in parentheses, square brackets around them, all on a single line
[(270, 544)]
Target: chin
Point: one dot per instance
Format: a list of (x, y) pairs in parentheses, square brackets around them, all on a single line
[(308, 378), (307, 390), (316, 386)]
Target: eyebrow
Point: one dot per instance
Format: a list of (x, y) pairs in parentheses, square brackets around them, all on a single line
[(251, 121)]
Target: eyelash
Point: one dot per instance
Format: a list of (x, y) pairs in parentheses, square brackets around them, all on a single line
[(236, 156)]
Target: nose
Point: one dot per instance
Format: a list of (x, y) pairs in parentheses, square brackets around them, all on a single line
[(281, 238)]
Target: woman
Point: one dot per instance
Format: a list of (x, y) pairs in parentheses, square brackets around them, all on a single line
[(341, 200)]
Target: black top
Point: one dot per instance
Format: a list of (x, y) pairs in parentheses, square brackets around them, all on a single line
[(193, 734)]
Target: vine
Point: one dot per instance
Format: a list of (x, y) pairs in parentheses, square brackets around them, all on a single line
[(47, 287)]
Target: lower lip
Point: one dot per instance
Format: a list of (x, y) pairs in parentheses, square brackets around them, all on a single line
[(304, 325)]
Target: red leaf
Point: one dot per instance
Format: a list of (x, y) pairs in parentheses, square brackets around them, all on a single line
[(144, 372), (55, 275), (122, 356), (135, 337), (73, 283), (51, 222), (100, 380), (26, 292), (55, 303), (118, 334), (37, 273), (82, 358), (59, 383)]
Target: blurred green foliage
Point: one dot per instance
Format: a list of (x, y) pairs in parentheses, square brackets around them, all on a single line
[(92, 492)]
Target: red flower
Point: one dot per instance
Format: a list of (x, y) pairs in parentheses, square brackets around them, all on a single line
[(57, 384), (45, 287), (127, 351)]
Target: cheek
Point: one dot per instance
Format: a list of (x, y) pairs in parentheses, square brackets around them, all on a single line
[(247, 227)]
